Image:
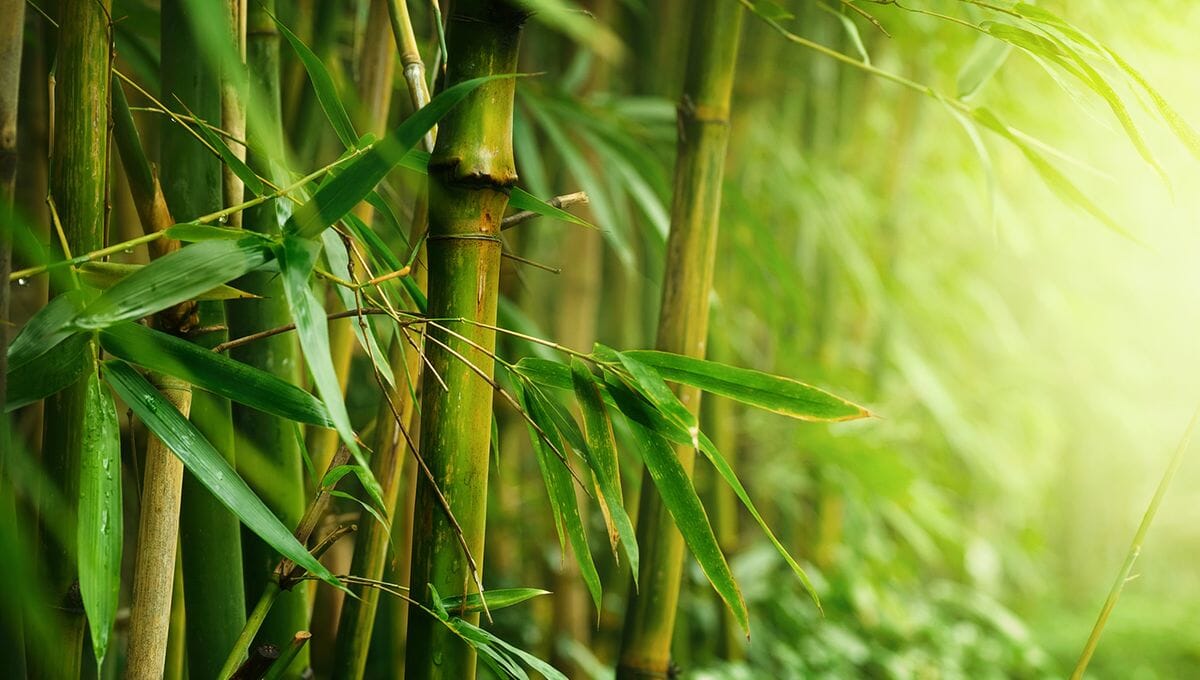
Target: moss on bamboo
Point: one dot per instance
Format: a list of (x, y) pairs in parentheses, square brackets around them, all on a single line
[(683, 316)]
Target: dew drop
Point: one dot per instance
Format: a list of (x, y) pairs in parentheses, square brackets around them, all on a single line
[(22, 282)]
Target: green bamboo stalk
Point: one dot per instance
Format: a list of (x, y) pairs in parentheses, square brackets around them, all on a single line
[(471, 169), (11, 43), (683, 316), (78, 183), (394, 422), (261, 436), (193, 185)]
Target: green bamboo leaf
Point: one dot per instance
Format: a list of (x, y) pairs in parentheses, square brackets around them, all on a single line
[(1052, 176), (602, 458), (208, 465), (642, 415), (296, 257), (560, 489), (358, 179), (322, 83), (195, 232), (104, 275), (253, 182), (762, 390), (45, 329), (680, 499), (546, 372), (216, 373), (982, 65), (99, 532), (34, 380), (651, 385), (498, 598), (174, 278), (339, 265)]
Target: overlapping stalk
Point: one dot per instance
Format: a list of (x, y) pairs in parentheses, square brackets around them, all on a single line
[(470, 171), (683, 317), (394, 421), (78, 187), (265, 442)]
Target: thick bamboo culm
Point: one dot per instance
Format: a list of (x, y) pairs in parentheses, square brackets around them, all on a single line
[(470, 171), (78, 188), (683, 316)]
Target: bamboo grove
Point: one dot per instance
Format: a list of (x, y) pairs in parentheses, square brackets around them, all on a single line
[(324, 327)]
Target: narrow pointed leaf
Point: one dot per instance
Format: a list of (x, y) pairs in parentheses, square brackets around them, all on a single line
[(208, 465), (762, 390), (498, 598), (216, 373), (104, 275), (602, 458), (339, 265), (651, 385), (174, 278), (322, 83), (296, 257), (99, 532), (680, 499), (45, 329), (62, 366), (561, 491)]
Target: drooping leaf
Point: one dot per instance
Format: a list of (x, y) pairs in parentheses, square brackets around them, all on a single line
[(45, 329), (497, 598), (651, 385), (195, 232), (761, 390), (216, 373), (546, 372), (104, 275), (322, 83), (351, 186), (208, 465), (560, 489), (679, 497), (174, 278), (602, 458), (296, 257), (63, 365), (982, 64), (253, 182), (99, 531), (339, 265)]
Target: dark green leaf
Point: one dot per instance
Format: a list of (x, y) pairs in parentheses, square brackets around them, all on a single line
[(45, 329), (498, 598), (602, 458), (174, 278), (651, 385), (322, 83), (100, 532), (63, 365), (208, 465), (762, 390), (104, 275), (213, 372)]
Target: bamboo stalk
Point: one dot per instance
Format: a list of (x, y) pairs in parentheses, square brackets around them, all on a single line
[(471, 168), (158, 533), (11, 42), (260, 435), (78, 172), (683, 316)]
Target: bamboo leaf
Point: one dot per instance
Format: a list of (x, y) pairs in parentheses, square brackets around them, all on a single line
[(351, 186), (651, 385), (561, 491), (680, 499), (63, 365), (216, 373), (45, 329), (296, 257), (520, 199), (642, 415), (208, 465), (100, 532), (602, 459), (322, 83), (546, 372), (339, 265), (253, 182), (194, 232), (498, 598), (174, 278), (104, 275), (762, 390), (982, 64)]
